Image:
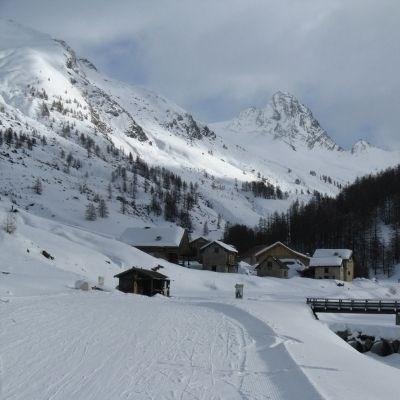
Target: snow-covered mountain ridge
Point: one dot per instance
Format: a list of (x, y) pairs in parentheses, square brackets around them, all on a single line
[(284, 118), (88, 129)]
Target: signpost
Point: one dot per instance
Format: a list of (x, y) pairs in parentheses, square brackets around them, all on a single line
[(239, 290)]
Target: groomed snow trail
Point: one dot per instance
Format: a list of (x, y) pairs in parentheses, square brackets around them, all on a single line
[(267, 368), (113, 346)]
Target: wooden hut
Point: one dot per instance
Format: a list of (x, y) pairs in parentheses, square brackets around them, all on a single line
[(143, 281), (272, 266), (168, 242)]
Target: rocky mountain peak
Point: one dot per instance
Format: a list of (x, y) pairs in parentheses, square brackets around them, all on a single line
[(361, 146), (287, 119)]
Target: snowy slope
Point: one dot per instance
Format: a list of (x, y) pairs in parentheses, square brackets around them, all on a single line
[(46, 91)]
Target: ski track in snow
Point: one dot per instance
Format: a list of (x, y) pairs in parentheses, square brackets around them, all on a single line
[(267, 367), (78, 346)]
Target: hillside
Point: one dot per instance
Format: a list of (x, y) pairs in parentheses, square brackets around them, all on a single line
[(87, 138)]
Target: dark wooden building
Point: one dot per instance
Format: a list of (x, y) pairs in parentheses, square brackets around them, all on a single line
[(143, 281), (272, 266), (195, 246), (168, 242)]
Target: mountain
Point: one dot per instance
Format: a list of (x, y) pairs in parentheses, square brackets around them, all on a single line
[(286, 119), (86, 137)]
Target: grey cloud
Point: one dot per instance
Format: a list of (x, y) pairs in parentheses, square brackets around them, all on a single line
[(216, 57)]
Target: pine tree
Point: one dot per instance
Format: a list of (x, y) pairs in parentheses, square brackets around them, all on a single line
[(205, 229), (102, 209), (124, 205), (37, 186), (91, 212), (44, 110)]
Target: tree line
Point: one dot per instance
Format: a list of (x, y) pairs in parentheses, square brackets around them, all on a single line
[(354, 220)]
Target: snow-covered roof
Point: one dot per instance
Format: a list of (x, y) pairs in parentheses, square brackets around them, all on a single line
[(164, 236), (342, 253), (279, 243), (326, 262), (199, 237), (227, 247)]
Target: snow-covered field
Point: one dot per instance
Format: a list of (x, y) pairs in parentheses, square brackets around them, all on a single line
[(60, 343)]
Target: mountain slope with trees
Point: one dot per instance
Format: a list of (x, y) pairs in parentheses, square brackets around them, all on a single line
[(364, 217)]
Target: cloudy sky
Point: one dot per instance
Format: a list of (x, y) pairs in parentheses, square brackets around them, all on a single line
[(216, 57)]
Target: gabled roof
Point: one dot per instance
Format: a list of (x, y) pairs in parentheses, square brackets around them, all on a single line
[(251, 251), (164, 236), (198, 238), (277, 260), (326, 262), (279, 243), (144, 273), (342, 253), (225, 246)]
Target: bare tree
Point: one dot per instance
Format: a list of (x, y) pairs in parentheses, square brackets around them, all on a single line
[(10, 224), (37, 186)]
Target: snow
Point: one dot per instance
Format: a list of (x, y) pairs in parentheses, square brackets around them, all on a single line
[(200, 343), (345, 254), (165, 236), (221, 244), (326, 261)]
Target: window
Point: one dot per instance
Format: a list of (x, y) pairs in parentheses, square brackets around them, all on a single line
[(216, 249), (326, 270), (348, 272)]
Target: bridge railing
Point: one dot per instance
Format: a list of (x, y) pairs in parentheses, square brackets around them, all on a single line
[(378, 305)]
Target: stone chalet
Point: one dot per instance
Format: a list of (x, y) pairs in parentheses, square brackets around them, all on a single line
[(219, 256), (168, 242), (333, 264), (278, 250)]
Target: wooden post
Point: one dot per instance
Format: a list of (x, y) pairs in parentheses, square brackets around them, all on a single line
[(398, 318)]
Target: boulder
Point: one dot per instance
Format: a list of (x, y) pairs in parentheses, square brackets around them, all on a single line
[(357, 345), (382, 348)]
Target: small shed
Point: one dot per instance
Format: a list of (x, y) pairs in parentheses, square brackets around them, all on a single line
[(272, 266), (143, 281)]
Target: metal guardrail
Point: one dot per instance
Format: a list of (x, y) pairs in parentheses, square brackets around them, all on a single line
[(365, 306)]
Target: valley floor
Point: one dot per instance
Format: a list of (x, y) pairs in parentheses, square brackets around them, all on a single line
[(98, 345), (60, 343)]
